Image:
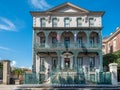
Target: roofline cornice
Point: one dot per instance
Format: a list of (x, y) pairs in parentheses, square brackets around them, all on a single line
[(111, 36), (67, 28), (36, 13)]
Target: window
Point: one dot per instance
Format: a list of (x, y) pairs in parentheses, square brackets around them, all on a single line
[(42, 41), (92, 63), (114, 45), (79, 22), (91, 21), (42, 64), (67, 22), (92, 41), (67, 42), (54, 63), (54, 22), (43, 22), (80, 62), (108, 47), (80, 41), (54, 42)]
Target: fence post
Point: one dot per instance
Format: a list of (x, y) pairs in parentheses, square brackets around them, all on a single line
[(113, 70)]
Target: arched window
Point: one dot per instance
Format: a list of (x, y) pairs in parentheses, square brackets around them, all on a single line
[(54, 22), (79, 22), (43, 22), (67, 22)]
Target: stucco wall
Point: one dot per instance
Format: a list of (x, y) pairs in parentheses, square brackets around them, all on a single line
[(73, 22)]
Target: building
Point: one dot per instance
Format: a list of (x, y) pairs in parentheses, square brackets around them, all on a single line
[(67, 41), (112, 43)]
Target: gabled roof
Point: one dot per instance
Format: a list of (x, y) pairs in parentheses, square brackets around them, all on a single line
[(67, 4), (66, 9)]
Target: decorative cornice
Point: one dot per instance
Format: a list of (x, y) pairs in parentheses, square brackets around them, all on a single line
[(35, 13), (67, 28)]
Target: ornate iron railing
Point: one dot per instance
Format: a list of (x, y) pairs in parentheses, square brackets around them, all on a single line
[(70, 46), (66, 78)]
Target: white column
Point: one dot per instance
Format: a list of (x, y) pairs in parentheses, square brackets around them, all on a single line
[(62, 62), (37, 64), (71, 62), (113, 70), (6, 72)]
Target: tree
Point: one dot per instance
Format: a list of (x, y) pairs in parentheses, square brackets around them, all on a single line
[(18, 71), (109, 58), (1, 66)]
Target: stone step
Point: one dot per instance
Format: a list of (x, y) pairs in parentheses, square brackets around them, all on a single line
[(68, 87)]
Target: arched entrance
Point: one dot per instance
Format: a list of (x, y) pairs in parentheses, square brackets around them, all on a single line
[(67, 60)]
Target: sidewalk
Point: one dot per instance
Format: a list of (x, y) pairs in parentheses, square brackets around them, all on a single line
[(8, 87)]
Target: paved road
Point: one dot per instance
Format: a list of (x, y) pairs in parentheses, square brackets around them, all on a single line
[(7, 87)]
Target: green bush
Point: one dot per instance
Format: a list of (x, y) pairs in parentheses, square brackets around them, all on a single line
[(111, 58)]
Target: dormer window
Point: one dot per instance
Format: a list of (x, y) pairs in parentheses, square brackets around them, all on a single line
[(91, 22), (43, 22), (79, 22), (54, 22), (67, 22)]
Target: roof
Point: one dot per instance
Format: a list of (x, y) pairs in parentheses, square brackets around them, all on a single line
[(113, 35), (58, 10)]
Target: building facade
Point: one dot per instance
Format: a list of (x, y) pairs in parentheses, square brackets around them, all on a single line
[(112, 43), (67, 41)]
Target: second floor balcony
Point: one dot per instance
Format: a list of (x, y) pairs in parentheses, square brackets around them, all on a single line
[(68, 40), (68, 46)]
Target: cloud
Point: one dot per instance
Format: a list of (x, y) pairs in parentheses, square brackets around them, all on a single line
[(13, 63), (6, 24), (6, 49), (41, 4)]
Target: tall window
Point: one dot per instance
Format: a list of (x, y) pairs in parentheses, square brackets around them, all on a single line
[(67, 42), (43, 22), (114, 44), (80, 62), (54, 22), (54, 63), (54, 42), (80, 41), (92, 41), (92, 63), (79, 22), (42, 64), (91, 21), (42, 41), (67, 22)]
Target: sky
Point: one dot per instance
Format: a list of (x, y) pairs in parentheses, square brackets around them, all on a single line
[(16, 24)]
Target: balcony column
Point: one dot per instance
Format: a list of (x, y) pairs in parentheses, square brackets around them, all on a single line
[(58, 37), (75, 60), (100, 40), (88, 38), (46, 39), (34, 51), (59, 61), (101, 60), (75, 38)]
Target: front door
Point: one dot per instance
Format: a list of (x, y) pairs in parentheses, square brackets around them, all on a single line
[(67, 63)]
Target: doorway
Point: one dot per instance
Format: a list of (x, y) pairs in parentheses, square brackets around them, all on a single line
[(67, 63)]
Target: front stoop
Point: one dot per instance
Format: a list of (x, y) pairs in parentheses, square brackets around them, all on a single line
[(68, 87)]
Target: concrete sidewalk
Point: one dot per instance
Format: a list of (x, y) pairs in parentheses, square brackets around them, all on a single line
[(8, 87)]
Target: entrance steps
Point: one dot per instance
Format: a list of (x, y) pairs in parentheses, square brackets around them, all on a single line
[(67, 87)]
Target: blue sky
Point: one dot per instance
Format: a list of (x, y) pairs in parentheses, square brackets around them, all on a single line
[(16, 24)]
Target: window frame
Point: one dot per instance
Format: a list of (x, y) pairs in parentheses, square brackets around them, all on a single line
[(54, 23), (66, 23), (79, 23), (43, 22)]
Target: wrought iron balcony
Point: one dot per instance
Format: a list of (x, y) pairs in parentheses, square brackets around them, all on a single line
[(69, 46)]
